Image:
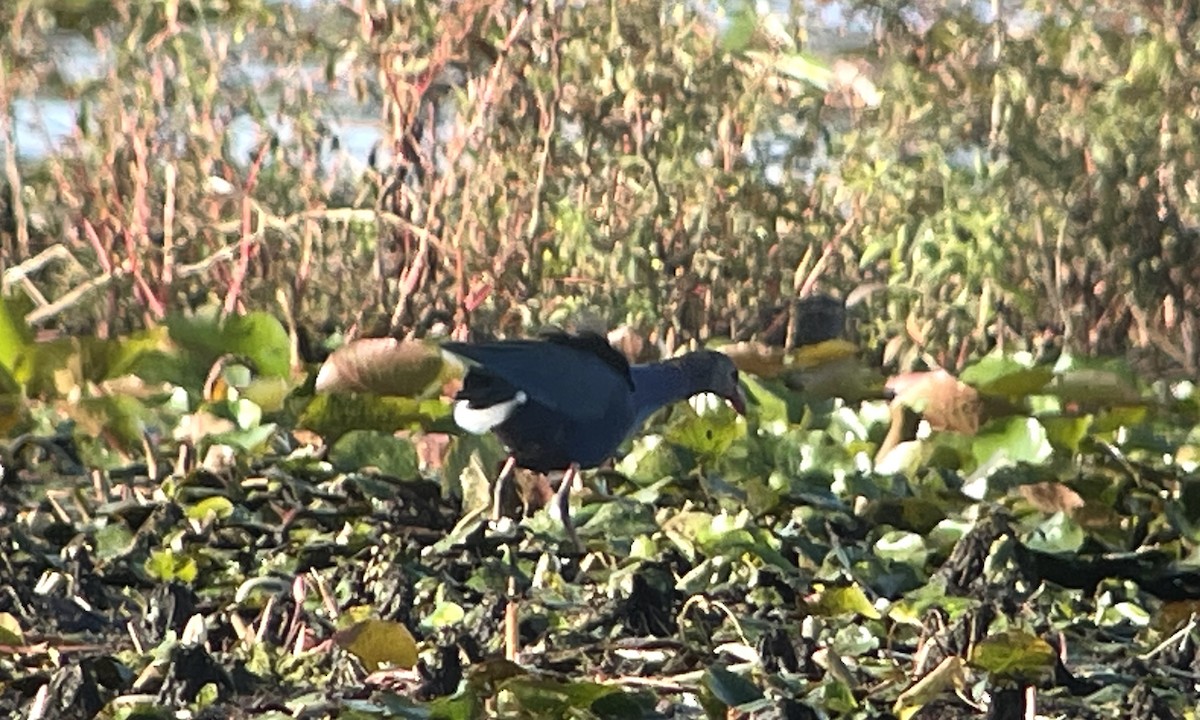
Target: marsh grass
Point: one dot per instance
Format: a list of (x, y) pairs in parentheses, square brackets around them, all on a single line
[(964, 183)]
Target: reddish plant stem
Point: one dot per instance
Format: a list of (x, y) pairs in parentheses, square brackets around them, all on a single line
[(246, 246)]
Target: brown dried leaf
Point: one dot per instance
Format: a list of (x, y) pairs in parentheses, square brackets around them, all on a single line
[(383, 366), (1051, 497), (431, 449), (628, 342), (940, 398), (1174, 614)]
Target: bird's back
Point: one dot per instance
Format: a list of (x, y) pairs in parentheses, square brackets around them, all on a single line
[(576, 405)]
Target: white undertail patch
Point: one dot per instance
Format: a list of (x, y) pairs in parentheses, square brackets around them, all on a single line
[(481, 420)]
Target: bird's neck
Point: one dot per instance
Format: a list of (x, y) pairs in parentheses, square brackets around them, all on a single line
[(656, 385)]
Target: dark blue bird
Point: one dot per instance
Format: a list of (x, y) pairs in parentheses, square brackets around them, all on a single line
[(566, 402)]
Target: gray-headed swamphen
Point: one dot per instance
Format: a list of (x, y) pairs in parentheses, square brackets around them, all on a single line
[(566, 402)]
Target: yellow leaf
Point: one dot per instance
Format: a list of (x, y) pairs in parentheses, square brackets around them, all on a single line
[(376, 642), (1013, 654), (10, 630), (946, 676), (833, 601), (215, 506), (769, 362), (268, 393), (811, 356)]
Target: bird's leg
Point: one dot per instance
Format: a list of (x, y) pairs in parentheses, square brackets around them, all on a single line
[(498, 490), (562, 502)]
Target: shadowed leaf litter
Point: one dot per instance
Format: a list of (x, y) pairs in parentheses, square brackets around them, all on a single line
[(753, 567)]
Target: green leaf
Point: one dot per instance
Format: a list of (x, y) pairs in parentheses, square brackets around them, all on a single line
[(113, 540), (769, 400), (912, 609), (1006, 376), (216, 506), (463, 706), (1058, 533), (8, 384), (262, 338), (446, 614), (469, 468), (549, 697), (111, 358), (252, 440), (740, 30), (844, 600), (378, 642), (1093, 382), (729, 688), (836, 696), (708, 435), (50, 369), (804, 67), (619, 521), (1064, 432), (730, 537), (258, 336), (360, 449), (1013, 655), (15, 335), (650, 460), (166, 566), (334, 415), (119, 420), (1011, 440), (268, 393), (904, 547)]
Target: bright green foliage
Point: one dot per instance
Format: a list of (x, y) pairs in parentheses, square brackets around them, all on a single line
[(259, 337)]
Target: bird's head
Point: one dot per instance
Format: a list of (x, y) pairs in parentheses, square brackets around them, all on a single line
[(715, 372)]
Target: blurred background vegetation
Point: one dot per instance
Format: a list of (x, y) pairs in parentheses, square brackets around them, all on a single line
[(964, 174)]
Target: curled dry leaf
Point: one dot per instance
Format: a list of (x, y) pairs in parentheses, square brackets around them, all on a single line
[(628, 341), (384, 366), (943, 400), (1051, 497), (769, 362), (948, 676)]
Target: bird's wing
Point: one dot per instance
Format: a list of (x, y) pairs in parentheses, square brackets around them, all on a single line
[(595, 344), (567, 379)]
